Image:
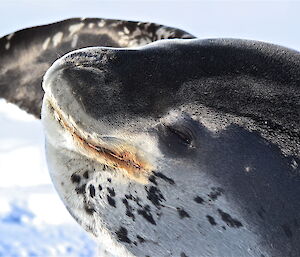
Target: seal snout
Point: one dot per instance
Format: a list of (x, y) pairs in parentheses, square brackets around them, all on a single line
[(72, 60)]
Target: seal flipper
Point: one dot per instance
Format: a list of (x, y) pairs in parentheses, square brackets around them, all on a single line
[(27, 54)]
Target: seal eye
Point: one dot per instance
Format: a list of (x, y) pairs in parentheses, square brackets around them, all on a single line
[(178, 134), (184, 136)]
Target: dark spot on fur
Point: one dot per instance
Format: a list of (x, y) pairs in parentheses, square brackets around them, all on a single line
[(100, 187), (145, 212), (138, 201), (216, 192), (75, 178), (111, 201), (141, 240), (224, 227), (129, 209), (154, 195), (153, 179), (133, 198), (92, 190), (109, 180), (62, 183), (122, 235), (81, 189), (86, 174), (135, 243), (130, 197), (287, 230), (183, 255), (89, 210), (211, 220), (199, 199), (165, 178), (182, 213), (231, 222), (111, 191)]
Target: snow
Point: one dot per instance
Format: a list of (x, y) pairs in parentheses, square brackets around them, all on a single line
[(33, 220)]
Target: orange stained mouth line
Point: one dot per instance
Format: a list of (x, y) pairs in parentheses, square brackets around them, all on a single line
[(127, 160)]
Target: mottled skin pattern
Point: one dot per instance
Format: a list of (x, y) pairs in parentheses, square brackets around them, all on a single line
[(28, 53), (219, 121)]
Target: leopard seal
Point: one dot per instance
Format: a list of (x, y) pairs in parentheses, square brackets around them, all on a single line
[(180, 147)]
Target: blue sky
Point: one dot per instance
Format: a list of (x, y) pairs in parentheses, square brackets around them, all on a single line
[(272, 21)]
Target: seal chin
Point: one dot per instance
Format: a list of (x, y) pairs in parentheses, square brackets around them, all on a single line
[(113, 152)]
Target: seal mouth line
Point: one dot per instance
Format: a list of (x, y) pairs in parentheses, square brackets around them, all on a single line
[(111, 153), (126, 160)]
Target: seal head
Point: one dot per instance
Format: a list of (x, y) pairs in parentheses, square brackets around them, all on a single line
[(180, 147)]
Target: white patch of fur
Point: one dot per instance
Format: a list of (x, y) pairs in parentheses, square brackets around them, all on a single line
[(124, 41), (294, 164), (101, 23), (9, 37), (162, 33), (57, 38), (74, 41), (116, 23), (248, 168), (75, 28), (46, 43), (144, 41), (126, 30), (91, 25), (7, 46), (136, 33)]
